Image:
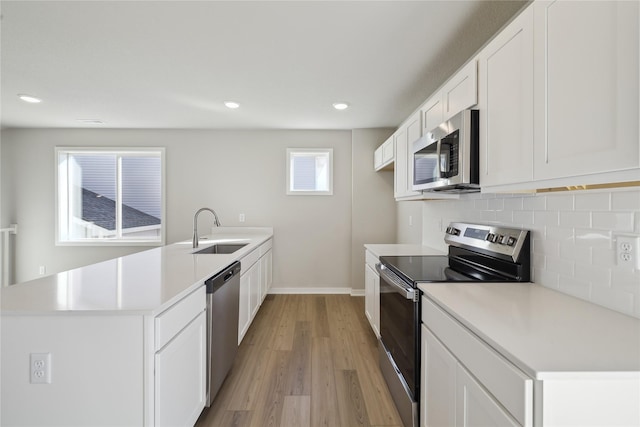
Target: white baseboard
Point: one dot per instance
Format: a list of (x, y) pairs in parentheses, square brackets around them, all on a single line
[(317, 291)]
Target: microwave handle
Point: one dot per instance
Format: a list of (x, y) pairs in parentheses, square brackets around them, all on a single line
[(439, 162)]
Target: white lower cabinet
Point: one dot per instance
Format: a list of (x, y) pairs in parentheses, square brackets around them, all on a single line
[(180, 361), (437, 382), (180, 368), (372, 293), (266, 266), (456, 363), (450, 395), (255, 280), (474, 405)]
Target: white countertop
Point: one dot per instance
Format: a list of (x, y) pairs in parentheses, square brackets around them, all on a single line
[(142, 283), (401, 250), (545, 333)]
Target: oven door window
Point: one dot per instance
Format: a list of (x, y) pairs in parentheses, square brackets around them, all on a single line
[(425, 165), (398, 331)]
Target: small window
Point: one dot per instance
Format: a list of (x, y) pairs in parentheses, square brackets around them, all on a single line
[(110, 196), (310, 171)]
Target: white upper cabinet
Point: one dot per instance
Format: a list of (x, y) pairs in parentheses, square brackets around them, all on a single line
[(586, 87), (460, 91), (432, 113), (384, 155), (505, 91), (404, 137)]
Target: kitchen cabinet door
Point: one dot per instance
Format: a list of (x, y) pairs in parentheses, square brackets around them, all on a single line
[(586, 87), (180, 373), (266, 266), (505, 73), (372, 298), (474, 405), (404, 137), (432, 113), (255, 286), (244, 310), (385, 155), (460, 91), (437, 383)]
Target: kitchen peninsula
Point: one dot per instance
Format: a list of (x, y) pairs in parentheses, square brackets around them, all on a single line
[(118, 337)]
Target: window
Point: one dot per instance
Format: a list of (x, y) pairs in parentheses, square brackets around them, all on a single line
[(310, 171), (110, 196)]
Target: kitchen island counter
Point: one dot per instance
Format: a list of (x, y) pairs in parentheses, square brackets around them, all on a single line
[(142, 283)]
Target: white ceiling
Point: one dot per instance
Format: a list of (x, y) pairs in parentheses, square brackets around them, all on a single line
[(171, 64)]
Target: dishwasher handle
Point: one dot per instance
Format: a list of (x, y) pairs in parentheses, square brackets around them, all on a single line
[(216, 282)]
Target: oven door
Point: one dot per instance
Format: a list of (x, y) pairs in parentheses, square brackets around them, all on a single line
[(400, 342)]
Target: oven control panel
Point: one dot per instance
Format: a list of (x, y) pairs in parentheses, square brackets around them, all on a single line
[(500, 240)]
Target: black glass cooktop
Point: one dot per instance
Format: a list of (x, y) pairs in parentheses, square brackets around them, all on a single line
[(413, 269), (437, 268)]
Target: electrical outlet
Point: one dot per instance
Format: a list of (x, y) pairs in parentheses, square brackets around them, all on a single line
[(627, 248), (42, 270), (40, 368), (241, 217)]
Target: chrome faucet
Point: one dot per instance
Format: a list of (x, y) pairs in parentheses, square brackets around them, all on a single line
[(195, 224)]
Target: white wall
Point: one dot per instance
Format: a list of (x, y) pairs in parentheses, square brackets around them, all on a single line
[(373, 216), (572, 238), (230, 171), (409, 226)]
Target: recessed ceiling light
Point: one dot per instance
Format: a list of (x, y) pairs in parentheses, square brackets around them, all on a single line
[(91, 121), (340, 105), (231, 104), (29, 98)]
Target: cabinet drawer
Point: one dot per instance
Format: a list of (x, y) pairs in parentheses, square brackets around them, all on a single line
[(248, 260), (174, 319), (371, 260), (266, 247), (510, 386)]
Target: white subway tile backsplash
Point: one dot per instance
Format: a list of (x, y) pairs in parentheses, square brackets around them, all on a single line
[(592, 201), (546, 218), (513, 204), (572, 238), (569, 250), (560, 202), (482, 204), (603, 257), (546, 247), (561, 266), (546, 278), (625, 201), (560, 234), (496, 204), (504, 217), (615, 299), (576, 287), (616, 221), (593, 238), (534, 203), (594, 274), (523, 217), (575, 219)]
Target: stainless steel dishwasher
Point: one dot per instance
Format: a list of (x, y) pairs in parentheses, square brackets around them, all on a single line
[(223, 300)]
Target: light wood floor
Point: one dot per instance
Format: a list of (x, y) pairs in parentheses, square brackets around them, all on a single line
[(307, 360)]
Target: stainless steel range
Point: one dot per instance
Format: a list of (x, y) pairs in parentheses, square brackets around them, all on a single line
[(483, 253)]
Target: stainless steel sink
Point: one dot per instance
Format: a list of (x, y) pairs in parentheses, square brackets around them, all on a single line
[(221, 248)]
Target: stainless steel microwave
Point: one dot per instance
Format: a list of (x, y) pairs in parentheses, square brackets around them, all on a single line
[(446, 159)]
